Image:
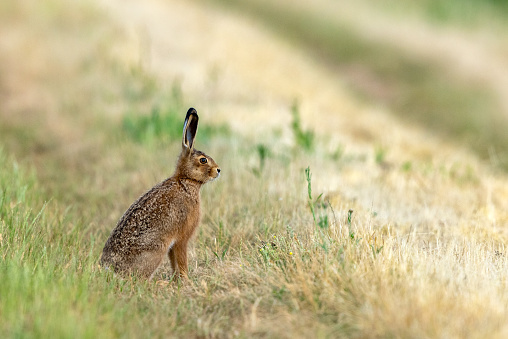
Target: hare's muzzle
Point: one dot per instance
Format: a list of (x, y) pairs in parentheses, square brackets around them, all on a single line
[(215, 173)]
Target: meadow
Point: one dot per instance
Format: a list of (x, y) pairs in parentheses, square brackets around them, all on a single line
[(360, 221)]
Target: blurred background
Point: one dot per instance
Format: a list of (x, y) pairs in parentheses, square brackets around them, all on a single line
[(442, 65), (438, 65)]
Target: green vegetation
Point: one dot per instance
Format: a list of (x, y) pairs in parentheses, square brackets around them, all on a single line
[(317, 207), (164, 125), (468, 13), (46, 272), (303, 139), (380, 155), (53, 286), (263, 153), (155, 126)]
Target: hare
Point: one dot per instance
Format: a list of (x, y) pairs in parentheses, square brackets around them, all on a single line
[(163, 220)]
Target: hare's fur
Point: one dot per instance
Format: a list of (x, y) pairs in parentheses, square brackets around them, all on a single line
[(162, 221)]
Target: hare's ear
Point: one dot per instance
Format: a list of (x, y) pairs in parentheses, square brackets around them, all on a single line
[(190, 128)]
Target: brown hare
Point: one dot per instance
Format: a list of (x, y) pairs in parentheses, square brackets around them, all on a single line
[(163, 219)]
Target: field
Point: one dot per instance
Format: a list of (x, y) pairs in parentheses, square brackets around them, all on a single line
[(364, 186)]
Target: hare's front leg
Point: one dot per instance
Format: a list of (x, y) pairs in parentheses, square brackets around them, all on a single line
[(178, 258)]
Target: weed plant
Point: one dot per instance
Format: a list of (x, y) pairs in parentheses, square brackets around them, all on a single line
[(303, 139)]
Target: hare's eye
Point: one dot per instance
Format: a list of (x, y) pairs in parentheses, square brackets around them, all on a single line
[(203, 160)]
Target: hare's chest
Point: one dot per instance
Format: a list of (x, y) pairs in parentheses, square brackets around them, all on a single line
[(193, 213), (184, 210)]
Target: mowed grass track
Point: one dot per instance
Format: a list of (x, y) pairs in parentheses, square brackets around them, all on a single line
[(84, 145), (459, 107)]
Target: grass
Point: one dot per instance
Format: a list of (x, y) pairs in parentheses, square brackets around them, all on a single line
[(469, 13), (38, 297), (164, 126), (278, 254), (335, 277)]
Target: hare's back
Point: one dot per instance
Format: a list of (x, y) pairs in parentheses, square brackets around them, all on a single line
[(145, 224)]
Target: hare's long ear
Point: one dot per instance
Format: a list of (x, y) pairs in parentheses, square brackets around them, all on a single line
[(190, 128)]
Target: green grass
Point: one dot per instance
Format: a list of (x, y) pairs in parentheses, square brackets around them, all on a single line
[(53, 286), (466, 13), (303, 139), (163, 123), (163, 126), (42, 292), (51, 283)]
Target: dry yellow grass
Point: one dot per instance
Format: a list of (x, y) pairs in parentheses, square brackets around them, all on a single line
[(425, 253)]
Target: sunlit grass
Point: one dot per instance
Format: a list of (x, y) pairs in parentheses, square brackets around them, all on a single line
[(343, 278)]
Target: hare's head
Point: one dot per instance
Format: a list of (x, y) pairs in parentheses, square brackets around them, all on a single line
[(193, 164)]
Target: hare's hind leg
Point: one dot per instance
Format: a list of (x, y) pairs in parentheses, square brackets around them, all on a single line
[(147, 263), (178, 258), (172, 260)]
